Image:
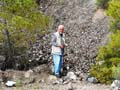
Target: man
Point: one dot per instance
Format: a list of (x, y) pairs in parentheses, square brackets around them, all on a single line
[(58, 45)]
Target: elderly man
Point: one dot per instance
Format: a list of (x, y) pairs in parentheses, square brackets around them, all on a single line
[(58, 44)]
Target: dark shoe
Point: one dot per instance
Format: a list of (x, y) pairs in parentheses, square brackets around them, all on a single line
[(58, 76)]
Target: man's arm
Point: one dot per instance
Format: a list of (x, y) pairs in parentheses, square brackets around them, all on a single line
[(65, 44), (53, 41)]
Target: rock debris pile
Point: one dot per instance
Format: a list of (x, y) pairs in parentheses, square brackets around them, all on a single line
[(86, 30)]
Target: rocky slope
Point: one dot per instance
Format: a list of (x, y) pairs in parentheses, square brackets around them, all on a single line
[(86, 29)]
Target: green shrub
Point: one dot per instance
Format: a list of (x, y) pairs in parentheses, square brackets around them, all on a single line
[(20, 23), (102, 74), (102, 3), (107, 67), (114, 13), (116, 72), (18, 83)]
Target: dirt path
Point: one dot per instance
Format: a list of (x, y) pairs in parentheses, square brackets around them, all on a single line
[(70, 86), (45, 82)]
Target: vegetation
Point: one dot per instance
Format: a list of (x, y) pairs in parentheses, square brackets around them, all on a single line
[(102, 3), (20, 22), (114, 12), (107, 67), (108, 61)]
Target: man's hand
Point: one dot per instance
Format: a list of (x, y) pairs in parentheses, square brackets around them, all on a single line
[(61, 46)]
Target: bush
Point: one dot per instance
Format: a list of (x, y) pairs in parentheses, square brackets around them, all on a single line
[(20, 23), (114, 13), (102, 74), (107, 67), (116, 72), (102, 3)]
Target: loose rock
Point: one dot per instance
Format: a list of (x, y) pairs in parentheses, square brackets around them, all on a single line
[(92, 80), (10, 83), (115, 85)]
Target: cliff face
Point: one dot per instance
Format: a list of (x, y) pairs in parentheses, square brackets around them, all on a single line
[(86, 30)]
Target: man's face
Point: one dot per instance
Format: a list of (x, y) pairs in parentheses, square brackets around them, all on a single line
[(61, 30)]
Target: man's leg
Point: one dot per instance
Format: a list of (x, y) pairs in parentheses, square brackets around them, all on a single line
[(61, 62), (56, 60)]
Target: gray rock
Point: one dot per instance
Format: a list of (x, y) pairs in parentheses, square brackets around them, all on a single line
[(92, 80), (2, 58), (70, 87), (41, 68), (115, 85), (28, 74), (83, 77), (52, 78), (56, 82), (41, 81), (52, 68), (29, 81), (71, 76)]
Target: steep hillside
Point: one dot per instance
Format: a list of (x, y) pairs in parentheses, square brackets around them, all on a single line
[(86, 29)]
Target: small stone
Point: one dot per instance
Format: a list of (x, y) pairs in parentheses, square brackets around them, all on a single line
[(66, 82), (28, 74), (92, 80), (56, 82), (71, 76), (2, 58), (41, 81), (83, 77), (52, 68), (30, 60), (10, 83), (29, 81), (52, 78), (115, 85), (70, 87)]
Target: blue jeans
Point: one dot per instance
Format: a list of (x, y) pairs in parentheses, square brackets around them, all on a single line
[(57, 60)]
